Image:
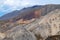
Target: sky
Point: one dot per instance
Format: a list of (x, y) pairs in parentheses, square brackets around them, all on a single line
[(7, 6)]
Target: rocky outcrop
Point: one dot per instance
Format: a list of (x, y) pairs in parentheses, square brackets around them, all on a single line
[(17, 33), (21, 21), (55, 37), (48, 26)]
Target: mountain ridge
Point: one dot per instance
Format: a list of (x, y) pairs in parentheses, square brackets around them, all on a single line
[(30, 10)]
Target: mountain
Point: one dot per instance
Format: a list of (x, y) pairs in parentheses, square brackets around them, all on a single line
[(19, 13), (44, 28), (32, 23), (28, 12)]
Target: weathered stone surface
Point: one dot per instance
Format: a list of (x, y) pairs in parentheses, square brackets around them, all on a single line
[(2, 36), (18, 33), (48, 26), (55, 37)]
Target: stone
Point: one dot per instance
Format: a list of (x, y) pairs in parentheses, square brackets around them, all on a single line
[(19, 33)]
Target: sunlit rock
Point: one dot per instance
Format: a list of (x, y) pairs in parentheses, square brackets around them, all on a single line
[(19, 33)]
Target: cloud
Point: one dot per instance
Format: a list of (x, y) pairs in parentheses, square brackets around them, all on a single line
[(9, 2), (19, 3), (15, 4), (10, 5)]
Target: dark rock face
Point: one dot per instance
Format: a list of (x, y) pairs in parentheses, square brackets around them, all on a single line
[(56, 37)]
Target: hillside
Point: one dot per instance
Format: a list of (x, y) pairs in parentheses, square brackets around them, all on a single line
[(32, 23)]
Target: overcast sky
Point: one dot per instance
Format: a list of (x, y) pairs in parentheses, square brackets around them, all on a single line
[(10, 5)]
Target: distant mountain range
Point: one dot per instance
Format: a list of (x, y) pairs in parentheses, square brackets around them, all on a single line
[(28, 13)]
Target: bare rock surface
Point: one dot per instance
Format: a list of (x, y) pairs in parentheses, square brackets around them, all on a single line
[(48, 26), (18, 33)]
